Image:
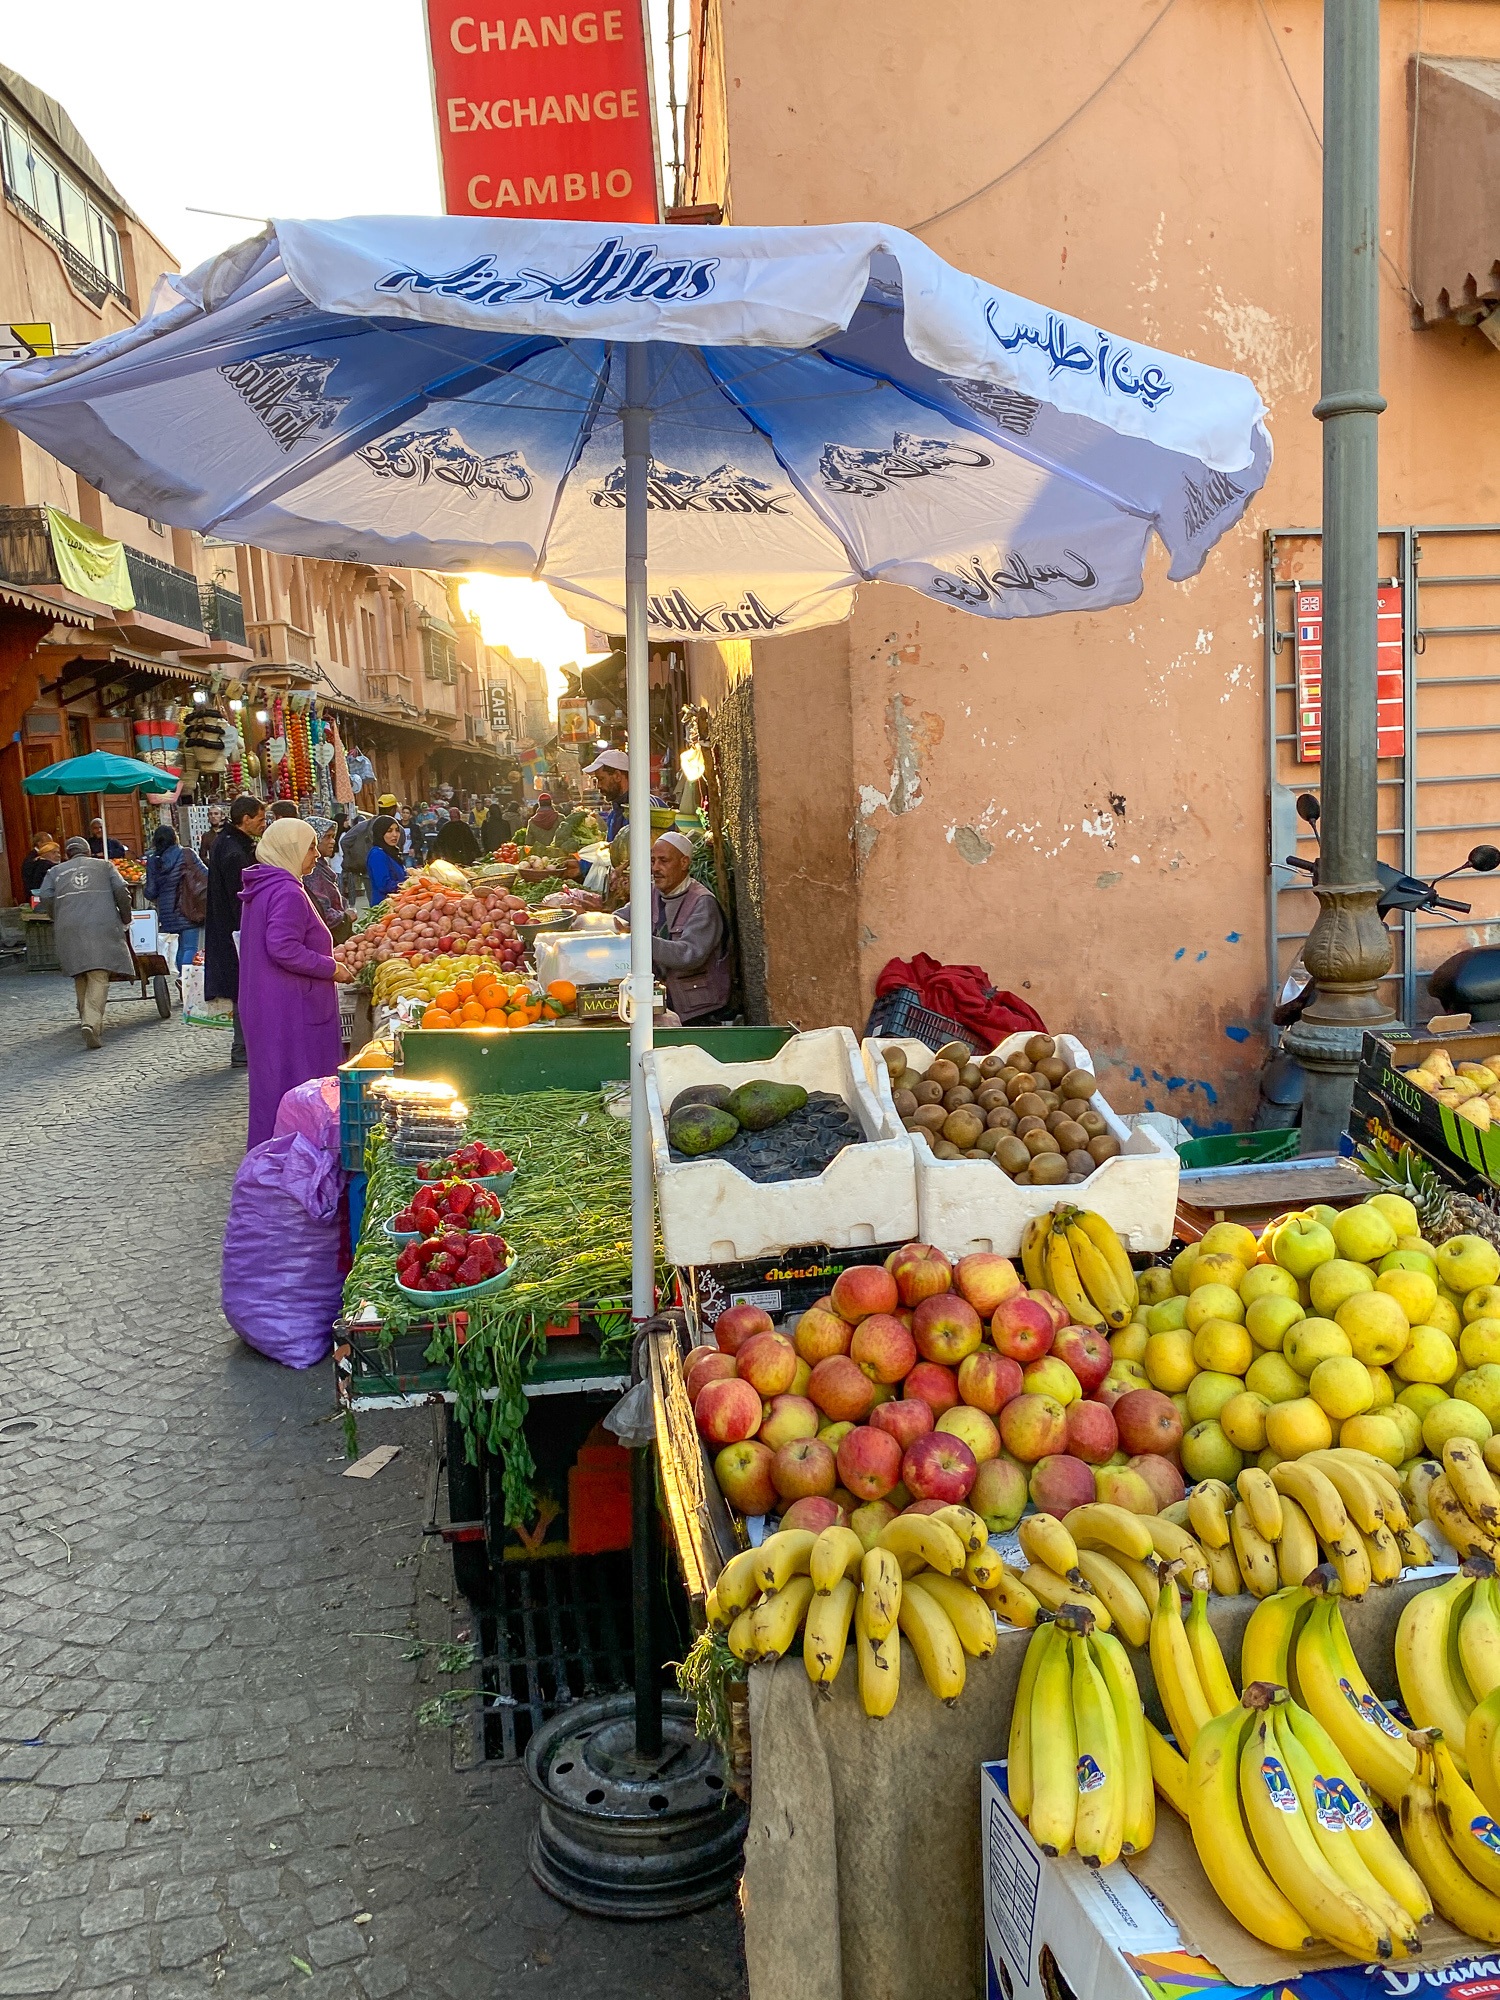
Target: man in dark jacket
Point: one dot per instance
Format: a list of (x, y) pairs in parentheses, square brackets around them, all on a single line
[(89, 906), (494, 828), (457, 841), (232, 854)]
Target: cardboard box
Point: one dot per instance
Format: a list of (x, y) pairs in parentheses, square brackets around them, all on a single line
[(782, 1286), (1465, 1155)]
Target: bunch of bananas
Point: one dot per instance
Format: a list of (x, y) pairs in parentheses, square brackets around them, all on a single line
[(1103, 1558), (1341, 1506), (925, 1577), (1448, 1663), (1075, 1255), (1459, 1496), (1079, 1769)]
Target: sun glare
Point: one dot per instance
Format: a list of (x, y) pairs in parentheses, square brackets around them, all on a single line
[(513, 611)]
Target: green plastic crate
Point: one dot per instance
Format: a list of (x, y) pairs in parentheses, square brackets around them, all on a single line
[(477, 1064), (1241, 1149)]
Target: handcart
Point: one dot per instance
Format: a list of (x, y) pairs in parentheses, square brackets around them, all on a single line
[(151, 968)]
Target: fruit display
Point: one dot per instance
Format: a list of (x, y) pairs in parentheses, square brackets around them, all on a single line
[(921, 1577), (490, 1001), (454, 1204), (474, 1161), (769, 1131), (1030, 1114), (400, 979), (430, 914), (1441, 1210), (1471, 1090), (450, 1260)]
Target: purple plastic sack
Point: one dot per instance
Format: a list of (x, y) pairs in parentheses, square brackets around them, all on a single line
[(312, 1109), (282, 1278)]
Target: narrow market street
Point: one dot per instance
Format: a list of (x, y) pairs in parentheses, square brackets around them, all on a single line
[(212, 1777)]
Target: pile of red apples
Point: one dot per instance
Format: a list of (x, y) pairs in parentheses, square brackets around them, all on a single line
[(919, 1382)]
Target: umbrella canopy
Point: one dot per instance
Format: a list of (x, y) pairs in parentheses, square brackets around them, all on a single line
[(99, 772), (826, 405)]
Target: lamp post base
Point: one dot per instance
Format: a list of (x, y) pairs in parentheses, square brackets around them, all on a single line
[(1328, 1053)]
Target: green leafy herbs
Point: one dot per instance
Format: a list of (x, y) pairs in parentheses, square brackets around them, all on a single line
[(705, 1676)]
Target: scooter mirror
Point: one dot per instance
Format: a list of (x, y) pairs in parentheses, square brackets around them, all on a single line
[(1308, 807), (1484, 859)]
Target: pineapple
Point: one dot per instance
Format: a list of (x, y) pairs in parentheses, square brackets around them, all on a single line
[(1441, 1210)]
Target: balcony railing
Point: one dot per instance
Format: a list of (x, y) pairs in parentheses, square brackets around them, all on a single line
[(389, 690), (223, 613), (162, 590), (280, 644), (26, 547)]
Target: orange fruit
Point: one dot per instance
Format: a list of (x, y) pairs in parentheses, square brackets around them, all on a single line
[(449, 1001), (435, 1017), (494, 1017), (516, 1018), (464, 988), (471, 1011), (534, 1011), (563, 990)]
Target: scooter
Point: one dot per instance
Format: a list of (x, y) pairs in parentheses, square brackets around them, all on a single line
[(1468, 982)]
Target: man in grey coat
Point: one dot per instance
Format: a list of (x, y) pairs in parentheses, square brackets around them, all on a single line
[(89, 905)]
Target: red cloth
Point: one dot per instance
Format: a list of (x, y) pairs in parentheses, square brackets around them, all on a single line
[(965, 995)]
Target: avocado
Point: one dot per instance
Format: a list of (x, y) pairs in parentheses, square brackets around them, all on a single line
[(716, 1094), (760, 1104), (701, 1128)]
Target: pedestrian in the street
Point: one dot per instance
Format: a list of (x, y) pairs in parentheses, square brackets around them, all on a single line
[(494, 829), (89, 905), (385, 866), (284, 809), (45, 854), (166, 867), (324, 885), (457, 841), (217, 819), (287, 975), (233, 852)]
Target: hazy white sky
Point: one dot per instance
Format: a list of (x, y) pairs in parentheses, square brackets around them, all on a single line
[(281, 107)]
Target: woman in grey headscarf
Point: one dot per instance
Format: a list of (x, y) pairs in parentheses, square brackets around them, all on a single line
[(89, 905)]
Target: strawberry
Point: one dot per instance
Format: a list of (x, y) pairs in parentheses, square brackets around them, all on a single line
[(470, 1272)]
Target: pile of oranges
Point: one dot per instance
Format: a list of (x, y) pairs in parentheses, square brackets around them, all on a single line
[(490, 1001)]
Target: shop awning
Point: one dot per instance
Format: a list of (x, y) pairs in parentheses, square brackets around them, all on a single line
[(34, 600), (1455, 231)]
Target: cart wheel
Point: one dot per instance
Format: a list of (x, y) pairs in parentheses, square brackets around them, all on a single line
[(163, 992)]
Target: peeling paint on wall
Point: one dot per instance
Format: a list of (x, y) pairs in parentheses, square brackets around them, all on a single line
[(971, 844), (1270, 350)]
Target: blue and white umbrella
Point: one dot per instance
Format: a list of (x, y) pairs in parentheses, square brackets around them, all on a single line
[(786, 412)]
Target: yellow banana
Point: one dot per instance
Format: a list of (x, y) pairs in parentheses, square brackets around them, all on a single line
[(777, 1618), (1317, 1494), (1224, 1571), (1230, 1862), (1146, 1576), (1113, 1662), (1128, 1610), (967, 1525), (1472, 1482), (1098, 1525), (1051, 1591), (1177, 1683), (1379, 1851), (1482, 1750), (1018, 1747), (929, 1631), (1332, 1685), (1098, 1280), (1009, 1598), (984, 1569), (1457, 1895), (1113, 1251), (1208, 1512), (881, 1587), (1469, 1828), (1388, 1474), (1383, 1553), (1364, 1501), (1260, 1497), (1266, 1647), (1177, 1514), (1054, 1751), (1045, 1539), (1425, 1663), (1174, 1544), (1033, 1251), (879, 1665), (1203, 1644), (782, 1556), (1064, 1283), (1454, 1521), (826, 1634), (714, 1613), (1415, 1553), (926, 1537), (1282, 1835), (736, 1587), (1297, 1550), (741, 1636), (1255, 1555), (1418, 1479), (1099, 1822), (1346, 1552), (1169, 1771), (1479, 1638), (969, 1615), (837, 1553)]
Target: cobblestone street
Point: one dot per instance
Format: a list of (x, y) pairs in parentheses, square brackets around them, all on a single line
[(212, 1779)]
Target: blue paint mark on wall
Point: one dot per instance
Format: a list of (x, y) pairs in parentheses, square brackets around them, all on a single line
[(1181, 952), (1200, 958), (1237, 1034), (1232, 937)]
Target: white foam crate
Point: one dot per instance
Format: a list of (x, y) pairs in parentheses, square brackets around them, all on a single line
[(712, 1214), (968, 1205), (588, 958)]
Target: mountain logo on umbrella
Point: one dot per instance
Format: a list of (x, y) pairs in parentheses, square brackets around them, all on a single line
[(445, 454), (851, 468), (286, 391), (670, 490), (1006, 407)]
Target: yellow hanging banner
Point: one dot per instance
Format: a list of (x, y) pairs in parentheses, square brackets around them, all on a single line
[(90, 563)]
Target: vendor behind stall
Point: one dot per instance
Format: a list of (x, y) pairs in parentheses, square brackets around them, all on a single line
[(689, 937)]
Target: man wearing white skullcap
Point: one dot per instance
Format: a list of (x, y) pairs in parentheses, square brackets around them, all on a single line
[(689, 949)]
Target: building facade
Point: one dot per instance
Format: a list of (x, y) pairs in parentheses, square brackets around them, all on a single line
[(1089, 806)]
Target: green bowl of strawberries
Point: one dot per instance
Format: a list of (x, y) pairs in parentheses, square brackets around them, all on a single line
[(484, 1166), (438, 1205), (453, 1267)]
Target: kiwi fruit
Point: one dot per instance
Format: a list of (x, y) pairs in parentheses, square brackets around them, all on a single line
[(944, 1149), (895, 1060), (955, 1052), (990, 1138), (943, 1073), (971, 1074), (1105, 1147), (992, 1066), (1012, 1154), (963, 1127), (1039, 1048), (1051, 1099), (1029, 1124), (1072, 1138), (1049, 1170), (1020, 1061), (1020, 1085), (990, 1096), (1074, 1107), (1093, 1122), (928, 1093), (1080, 1163), (905, 1102), (1073, 1180), (1041, 1141), (1029, 1105), (1053, 1068), (1078, 1083), (1052, 1120), (931, 1117), (1003, 1118), (959, 1094), (974, 1154)]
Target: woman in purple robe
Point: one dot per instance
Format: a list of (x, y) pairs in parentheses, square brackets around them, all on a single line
[(287, 974)]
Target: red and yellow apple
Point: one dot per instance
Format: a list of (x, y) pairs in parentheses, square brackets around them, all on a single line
[(727, 1411), (803, 1467), (938, 1467), (905, 1418), (735, 1326), (933, 1384), (768, 1362), (883, 1348), (986, 1280), (786, 1419), (1092, 1435), (946, 1328), (869, 1462), (743, 1471), (987, 1380), (1060, 1482), (819, 1334), (864, 1289), (1033, 1427), (841, 1389), (920, 1272), (1023, 1328), (974, 1427)]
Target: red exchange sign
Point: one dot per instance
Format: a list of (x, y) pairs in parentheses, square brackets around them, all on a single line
[(545, 114)]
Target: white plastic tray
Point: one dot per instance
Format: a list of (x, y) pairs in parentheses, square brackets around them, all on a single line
[(711, 1214), (967, 1205), (588, 958)]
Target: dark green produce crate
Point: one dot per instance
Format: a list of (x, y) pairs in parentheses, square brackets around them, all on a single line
[(527, 1059), (1241, 1149)]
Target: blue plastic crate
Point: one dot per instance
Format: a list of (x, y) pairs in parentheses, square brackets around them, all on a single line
[(358, 1114), (900, 1012)]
